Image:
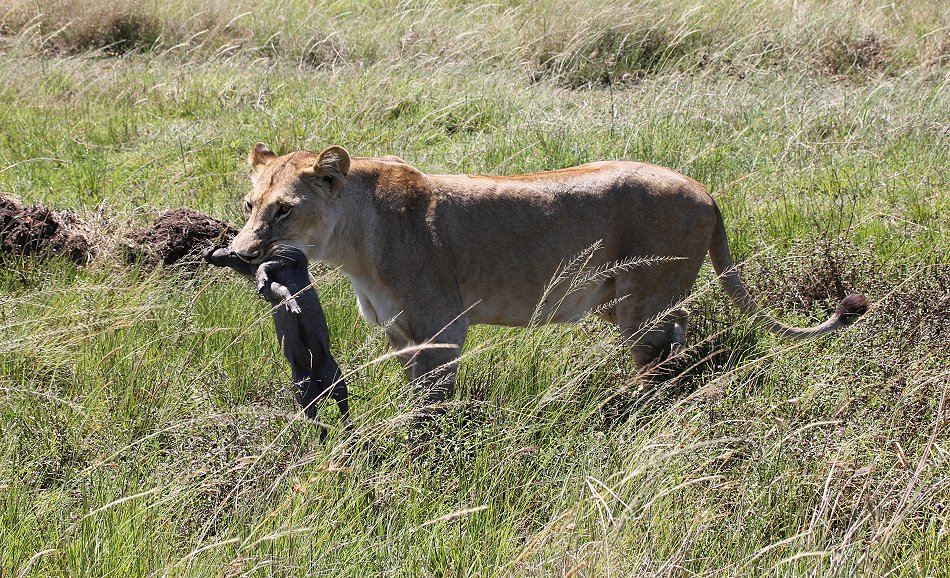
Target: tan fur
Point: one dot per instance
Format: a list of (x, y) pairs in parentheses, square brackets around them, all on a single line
[(429, 255)]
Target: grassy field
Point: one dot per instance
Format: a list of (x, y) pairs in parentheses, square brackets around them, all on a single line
[(147, 426)]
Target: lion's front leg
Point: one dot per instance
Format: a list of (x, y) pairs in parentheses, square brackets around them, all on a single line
[(430, 358)]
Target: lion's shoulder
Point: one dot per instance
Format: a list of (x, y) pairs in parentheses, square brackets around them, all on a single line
[(394, 183)]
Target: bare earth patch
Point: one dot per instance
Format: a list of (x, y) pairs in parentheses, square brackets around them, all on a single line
[(39, 231), (177, 236)]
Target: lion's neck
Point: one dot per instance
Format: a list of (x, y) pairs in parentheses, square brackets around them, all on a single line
[(379, 199), (346, 238)]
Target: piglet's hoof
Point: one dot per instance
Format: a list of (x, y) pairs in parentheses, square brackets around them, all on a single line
[(263, 285), (208, 254)]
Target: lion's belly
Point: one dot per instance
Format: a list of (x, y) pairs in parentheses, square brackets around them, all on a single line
[(560, 304)]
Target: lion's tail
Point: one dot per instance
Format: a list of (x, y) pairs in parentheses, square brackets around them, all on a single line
[(850, 308)]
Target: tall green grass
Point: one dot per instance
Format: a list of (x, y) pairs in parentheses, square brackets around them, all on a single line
[(148, 427)]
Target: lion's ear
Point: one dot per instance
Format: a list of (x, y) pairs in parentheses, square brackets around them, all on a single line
[(331, 166), (333, 159), (260, 156)]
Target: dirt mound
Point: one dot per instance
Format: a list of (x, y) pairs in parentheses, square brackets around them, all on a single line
[(177, 236), (38, 231)]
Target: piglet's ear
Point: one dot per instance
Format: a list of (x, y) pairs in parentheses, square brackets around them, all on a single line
[(260, 156)]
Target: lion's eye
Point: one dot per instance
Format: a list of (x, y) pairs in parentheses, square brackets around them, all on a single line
[(282, 211)]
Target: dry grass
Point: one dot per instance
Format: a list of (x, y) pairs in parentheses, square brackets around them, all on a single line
[(577, 43)]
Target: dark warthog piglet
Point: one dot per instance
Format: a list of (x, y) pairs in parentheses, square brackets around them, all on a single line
[(299, 320)]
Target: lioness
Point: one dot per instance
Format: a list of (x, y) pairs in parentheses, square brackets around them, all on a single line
[(430, 255)]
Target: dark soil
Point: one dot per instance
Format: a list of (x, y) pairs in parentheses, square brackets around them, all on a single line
[(177, 236), (38, 231)]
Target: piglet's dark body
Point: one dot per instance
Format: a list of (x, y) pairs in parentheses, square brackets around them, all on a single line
[(299, 321)]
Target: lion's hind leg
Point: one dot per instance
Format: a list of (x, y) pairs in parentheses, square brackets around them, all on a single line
[(653, 338), (651, 317), (680, 317)]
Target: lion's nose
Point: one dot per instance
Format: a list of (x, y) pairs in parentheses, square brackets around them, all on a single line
[(248, 256)]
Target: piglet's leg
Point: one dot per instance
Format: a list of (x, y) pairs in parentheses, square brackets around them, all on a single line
[(273, 291), (280, 294), (327, 378)]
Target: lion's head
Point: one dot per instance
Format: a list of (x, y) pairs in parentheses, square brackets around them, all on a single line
[(291, 201)]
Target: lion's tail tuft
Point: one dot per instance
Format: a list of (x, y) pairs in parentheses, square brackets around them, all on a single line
[(851, 308)]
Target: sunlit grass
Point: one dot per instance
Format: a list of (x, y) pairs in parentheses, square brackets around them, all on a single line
[(148, 425)]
